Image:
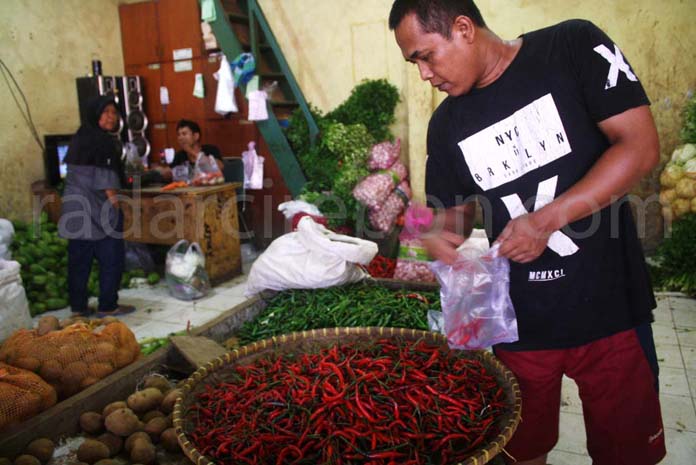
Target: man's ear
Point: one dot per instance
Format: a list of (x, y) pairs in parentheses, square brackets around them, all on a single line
[(464, 27), (196, 136)]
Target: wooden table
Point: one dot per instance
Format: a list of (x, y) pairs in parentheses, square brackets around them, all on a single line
[(206, 215)]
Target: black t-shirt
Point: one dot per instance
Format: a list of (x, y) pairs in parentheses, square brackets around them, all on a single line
[(521, 141), (181, 156)]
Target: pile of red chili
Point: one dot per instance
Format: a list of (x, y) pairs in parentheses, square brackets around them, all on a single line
[(393, 402), (382, 267)]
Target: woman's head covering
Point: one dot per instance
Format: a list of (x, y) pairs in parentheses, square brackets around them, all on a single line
[(91, 145)]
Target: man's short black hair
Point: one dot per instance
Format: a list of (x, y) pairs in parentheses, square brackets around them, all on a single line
[(435, 15), (192, 125)]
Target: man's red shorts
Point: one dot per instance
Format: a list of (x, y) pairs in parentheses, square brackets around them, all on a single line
[(618, 389)]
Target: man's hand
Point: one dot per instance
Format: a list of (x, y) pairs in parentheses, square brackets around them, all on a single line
[(443, 245), (524, 238)]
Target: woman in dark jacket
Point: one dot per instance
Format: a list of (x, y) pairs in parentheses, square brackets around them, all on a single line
[(91, 219)]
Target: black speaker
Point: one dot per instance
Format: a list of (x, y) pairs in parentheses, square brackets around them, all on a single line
[(131, 90), (94, 86)]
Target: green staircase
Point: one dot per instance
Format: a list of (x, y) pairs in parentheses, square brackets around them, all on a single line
[(240, 26)]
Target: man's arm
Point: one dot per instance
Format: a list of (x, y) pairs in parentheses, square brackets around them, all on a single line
[(633, 153), (450, 229)]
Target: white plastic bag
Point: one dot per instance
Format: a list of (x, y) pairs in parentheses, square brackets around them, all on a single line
[(253, 168), (224, 99), (185, 271), (14, 308), (6, 236), (312, 257), (475, 297), (292, 207)]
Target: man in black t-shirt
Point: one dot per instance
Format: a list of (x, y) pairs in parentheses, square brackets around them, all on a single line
[(548, 132)]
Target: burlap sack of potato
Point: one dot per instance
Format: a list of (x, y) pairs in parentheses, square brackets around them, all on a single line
[(22, 395), (72, 358)]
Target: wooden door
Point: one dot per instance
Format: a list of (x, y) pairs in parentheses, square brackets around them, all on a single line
[(179, 78), (158, 136), (179, 28), (139, 33), (231, 136)]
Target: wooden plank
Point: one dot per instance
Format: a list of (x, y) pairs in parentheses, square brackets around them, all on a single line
[(197, 350), (63, 418)]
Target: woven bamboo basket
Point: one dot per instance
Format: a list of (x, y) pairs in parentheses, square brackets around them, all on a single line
[(214, 372)]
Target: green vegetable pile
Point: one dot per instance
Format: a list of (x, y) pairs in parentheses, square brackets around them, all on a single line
[(675, 259), (43, 257), (354, 305), (337, 160)]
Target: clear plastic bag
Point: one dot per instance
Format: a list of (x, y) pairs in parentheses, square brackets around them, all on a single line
[(185, 271), (206, 171), (475, 297)]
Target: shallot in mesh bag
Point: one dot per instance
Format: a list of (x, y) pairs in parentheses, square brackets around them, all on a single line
[(383, 155), (383, 217), (413, 263), (399, 169), (375, 188)]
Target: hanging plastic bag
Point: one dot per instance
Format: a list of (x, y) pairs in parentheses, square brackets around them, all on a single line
[(310, 258), (185, 271), (413, 263), (475, 297), (243, 68), (253, 168), (258, 109), (224, 99)]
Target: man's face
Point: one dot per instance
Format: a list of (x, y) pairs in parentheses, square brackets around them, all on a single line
[(186, 137), (448, 64), (108, 118)]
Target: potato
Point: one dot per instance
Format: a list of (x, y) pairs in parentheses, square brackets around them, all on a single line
[(100, 370), (124, 356), (169, 440), (107, 462), (51, 370), (143, 452), (150, 415), (132, 438), (47, 324), (88, 381), (73, 374), (113, 442), (155, 427), (109, 319), (122, 422), (169, 400), (159, 382), (28, 363), (41, 448), (145, 400), (92, 422), (68, 353), (92, 451), (112, 407), (104, 352), (27, 460)]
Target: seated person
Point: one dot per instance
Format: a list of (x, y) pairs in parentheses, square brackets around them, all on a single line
[(188, 135)]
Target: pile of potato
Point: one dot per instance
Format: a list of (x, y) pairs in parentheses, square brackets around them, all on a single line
[(138, 430), (678, 183), (73, 357)]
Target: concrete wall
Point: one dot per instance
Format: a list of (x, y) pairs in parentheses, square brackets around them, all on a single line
[(46, 44), (331, 46)]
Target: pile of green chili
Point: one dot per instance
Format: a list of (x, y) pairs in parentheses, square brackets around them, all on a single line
[(390, 402), (361, 304)]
